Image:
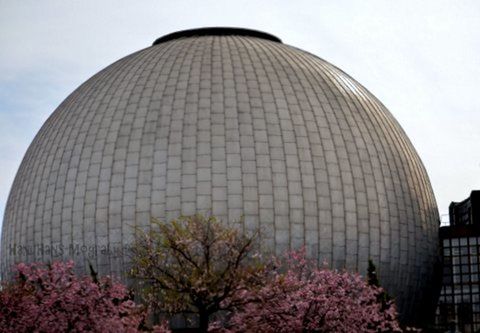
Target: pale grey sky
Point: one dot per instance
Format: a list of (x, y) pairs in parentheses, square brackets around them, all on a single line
[(420, 58)]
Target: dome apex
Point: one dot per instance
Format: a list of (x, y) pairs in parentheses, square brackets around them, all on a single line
[(217, 31)]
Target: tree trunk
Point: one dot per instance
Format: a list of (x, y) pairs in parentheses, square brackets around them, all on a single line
[(203, 321)]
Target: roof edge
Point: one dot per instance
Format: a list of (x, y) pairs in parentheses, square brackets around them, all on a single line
[(217, 31)]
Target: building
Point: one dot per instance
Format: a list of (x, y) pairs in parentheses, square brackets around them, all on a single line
[(234, 123), (459, 303)]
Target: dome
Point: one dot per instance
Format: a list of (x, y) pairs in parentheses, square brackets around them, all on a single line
[(229, 122)]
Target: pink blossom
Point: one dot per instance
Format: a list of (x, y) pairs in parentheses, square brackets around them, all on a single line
[(53, 299), (306, 299)]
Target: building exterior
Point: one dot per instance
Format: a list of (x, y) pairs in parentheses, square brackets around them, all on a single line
[(459, 304), (234, 123)]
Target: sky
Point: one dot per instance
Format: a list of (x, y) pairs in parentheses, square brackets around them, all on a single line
[(420, 58)]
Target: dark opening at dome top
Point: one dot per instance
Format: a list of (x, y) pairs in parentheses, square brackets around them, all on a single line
[(217, 31)]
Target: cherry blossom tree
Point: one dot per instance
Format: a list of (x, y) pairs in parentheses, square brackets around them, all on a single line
[(51, 298), (195, 264), (305, 298)]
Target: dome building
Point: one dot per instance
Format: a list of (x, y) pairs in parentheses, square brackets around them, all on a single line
[(229, 122)]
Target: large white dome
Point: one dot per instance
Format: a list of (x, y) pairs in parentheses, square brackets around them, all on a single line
[(229, 122)]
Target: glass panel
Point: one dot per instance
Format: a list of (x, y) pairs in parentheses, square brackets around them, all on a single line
[(475, 298), (476, 319)]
